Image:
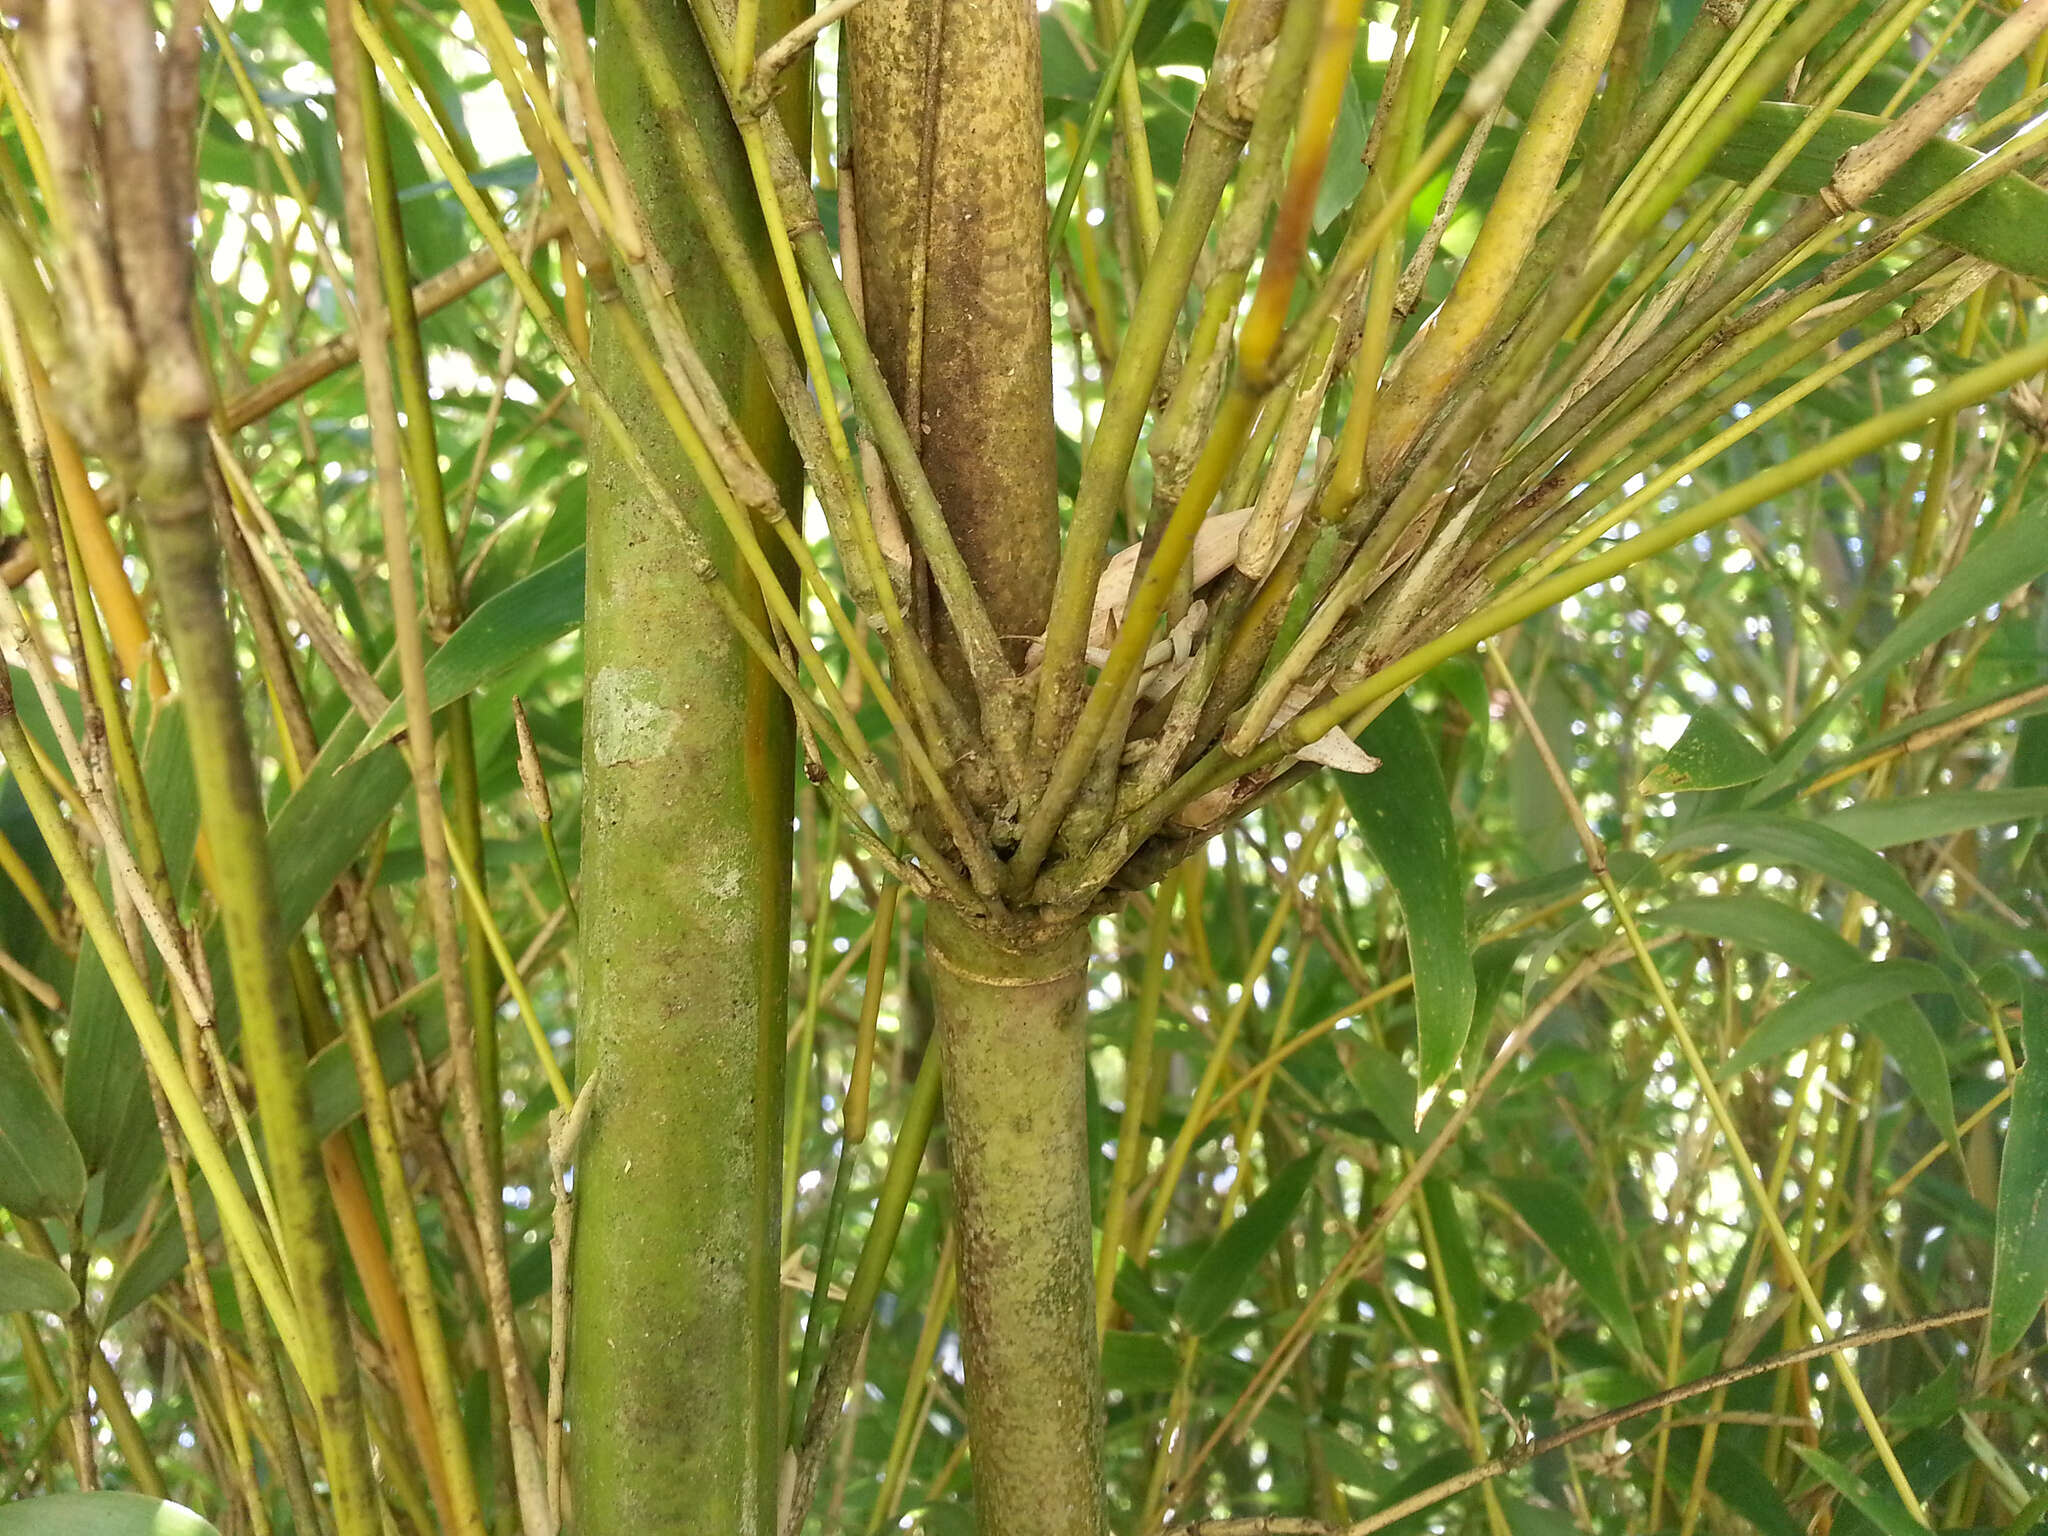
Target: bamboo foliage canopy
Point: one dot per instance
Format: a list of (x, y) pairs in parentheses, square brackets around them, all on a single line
[(1170, 395)]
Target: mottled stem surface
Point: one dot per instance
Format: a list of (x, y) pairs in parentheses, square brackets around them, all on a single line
[(673, 1397), (1014, 1031)]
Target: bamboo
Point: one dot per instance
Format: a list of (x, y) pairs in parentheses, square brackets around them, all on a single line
[(1013, 1035), (688, 776)]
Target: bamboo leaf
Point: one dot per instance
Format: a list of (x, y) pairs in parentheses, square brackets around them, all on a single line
[(1712, 754), (1404, 816), (1902, 819), (1388, 1089), (1873, 993), (41, 1173), (2019, 1265), (2006, 223), (2010, 556), (31, 1283), (1882, 1510), (1461, 1269), (1741, 917), (1741, 1482), (491, 641), (106, 1092), (1226, 1270), (1561, 1221), (325, 824), (160, 1260), (100, 1514), (1822, 849), (1138, 1362)]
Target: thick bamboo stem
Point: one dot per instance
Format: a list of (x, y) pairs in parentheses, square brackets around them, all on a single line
[(672, 1394), (948, 133), (1013, 1033)]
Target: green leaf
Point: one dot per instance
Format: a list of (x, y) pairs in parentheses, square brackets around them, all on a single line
[(2006, 223), (1405, 817), (31, 1283), (41, 1173), (100, 1514), (1741, 1482), (2009, 556), (1138, 1362), (2019, 1262), (1460, 1270), (1820, 848), (325, 824), (1387, 1087), (1226, 1270), (161, 1259), (1882, 1510), (1742, 917), (1911, 818), (1712, 754), (1561, 1221), (106, 1090), (1864, 993), (1344, 174), (497, 637)]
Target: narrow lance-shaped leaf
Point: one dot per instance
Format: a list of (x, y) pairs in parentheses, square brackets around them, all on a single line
[(527, 615), (1561, 1221), (1890, 822), (1741, 917), (1387, 1087), (1404, 814), (2019, 1264), (1826, 851), (1882, 1510), (1226, 1270), (1873, 993)]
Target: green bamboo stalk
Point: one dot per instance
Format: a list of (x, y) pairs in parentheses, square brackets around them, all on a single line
[(688, 778), (441, 586), (464, 1515), (1435, 366), (162, 454), (913, 1131), (1014, 1037), (185, 560), (1132, 1144), (353, 92)]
